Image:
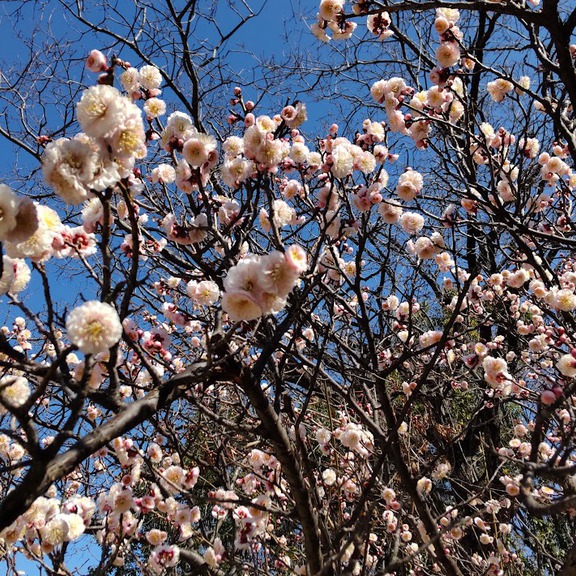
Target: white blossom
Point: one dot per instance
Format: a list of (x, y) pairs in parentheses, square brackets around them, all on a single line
[(94, 327)]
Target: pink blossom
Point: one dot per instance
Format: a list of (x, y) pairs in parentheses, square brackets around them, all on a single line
[(96, 62), (411, 222), (447, 54), (567, 365)]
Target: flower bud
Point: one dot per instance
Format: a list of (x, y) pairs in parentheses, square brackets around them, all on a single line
[(96, 62)]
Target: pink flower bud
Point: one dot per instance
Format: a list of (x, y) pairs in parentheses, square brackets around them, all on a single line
[(96, 62), (558, 392), (548, 397), (250, 105)]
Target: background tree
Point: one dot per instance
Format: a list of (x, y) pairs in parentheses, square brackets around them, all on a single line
[(341, 345)]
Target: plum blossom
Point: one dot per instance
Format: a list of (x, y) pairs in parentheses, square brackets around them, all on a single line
[(424, 486), (94, 327), (197, 149), (128, 140), (22, 275), (295, 115), (409, 185), (164, 173), (563, 299), (329, 477), (284, 215), (331, 9), (390, 211), (14, 392), (150, 77), (214, 554), (105, 115), (155, 537), (99, 110), (38, 245), (179, 127), (356, 438), (7, 277), (130, 79), (204, 293), (496, 374), (55, 531), (275, 275), (342, 162), (377, 24), (233, 147), (163, 556), (447, 54), (411, 222), (154, 107), (235, 172), (191, 234), (567, 365), (73, 242), (499, 88), (69, 166), (319, 30)]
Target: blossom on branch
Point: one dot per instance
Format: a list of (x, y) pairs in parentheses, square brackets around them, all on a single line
[(94, 327)]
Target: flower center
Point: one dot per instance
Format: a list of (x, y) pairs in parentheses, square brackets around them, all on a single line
[(94, 329), (129, 141)]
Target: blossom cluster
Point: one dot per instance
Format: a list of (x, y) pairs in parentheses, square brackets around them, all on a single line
[(112, 139), (448, 53), (198, 154), (330, 17), (259, 285), (50, 522)]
